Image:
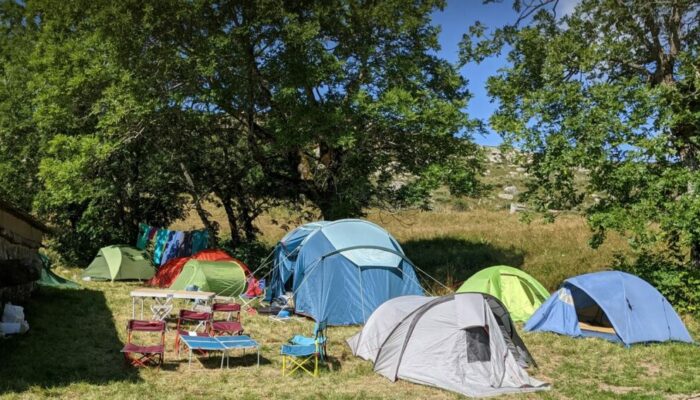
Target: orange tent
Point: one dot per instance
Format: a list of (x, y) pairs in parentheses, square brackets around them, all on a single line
[(169, 271)]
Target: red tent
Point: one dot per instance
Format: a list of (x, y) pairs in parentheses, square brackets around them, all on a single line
[(169, 271)]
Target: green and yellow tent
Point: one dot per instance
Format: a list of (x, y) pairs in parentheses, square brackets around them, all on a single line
[(225, 278), (519, 292), (115, 263)]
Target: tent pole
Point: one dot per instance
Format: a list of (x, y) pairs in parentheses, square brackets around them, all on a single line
[(362, 294)]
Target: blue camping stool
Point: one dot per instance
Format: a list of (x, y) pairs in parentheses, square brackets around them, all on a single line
[(302, 349)]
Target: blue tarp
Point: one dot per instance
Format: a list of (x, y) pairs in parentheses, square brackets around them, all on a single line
[(341, 271), (636, 311)]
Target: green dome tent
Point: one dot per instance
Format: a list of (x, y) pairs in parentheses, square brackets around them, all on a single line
[(225, 278), (518, 291), (115, 263)]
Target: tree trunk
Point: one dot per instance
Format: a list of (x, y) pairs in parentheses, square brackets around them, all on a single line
[(248, 227), (201, 212), (231, 217), (695, 255)]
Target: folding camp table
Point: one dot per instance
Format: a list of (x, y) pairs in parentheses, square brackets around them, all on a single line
[(220, 343), (163, 299)]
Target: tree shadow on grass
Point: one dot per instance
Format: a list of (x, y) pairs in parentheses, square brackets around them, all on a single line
[(72, 339), (452, 260)]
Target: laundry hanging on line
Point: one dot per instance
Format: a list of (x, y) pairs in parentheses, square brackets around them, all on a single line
[(167, 244)]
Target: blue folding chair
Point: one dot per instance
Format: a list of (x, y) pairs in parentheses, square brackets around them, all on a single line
[(302, 350)]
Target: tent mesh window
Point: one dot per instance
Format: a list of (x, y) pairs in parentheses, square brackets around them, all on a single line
[(478, 349)]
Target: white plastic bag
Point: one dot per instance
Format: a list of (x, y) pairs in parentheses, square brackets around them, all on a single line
[(13, 313)]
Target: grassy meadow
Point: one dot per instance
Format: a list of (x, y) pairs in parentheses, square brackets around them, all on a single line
[(72, 350)]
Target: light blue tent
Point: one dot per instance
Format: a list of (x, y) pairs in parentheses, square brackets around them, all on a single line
[(341, 271), (612, 305), (285, 255)]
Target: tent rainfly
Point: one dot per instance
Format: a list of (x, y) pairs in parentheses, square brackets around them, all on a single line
[(341, 271), (169, 271), (115, 263), (521, 293), (463, 342), (612, 305), (285, 256), (225, 278), (49, 278)]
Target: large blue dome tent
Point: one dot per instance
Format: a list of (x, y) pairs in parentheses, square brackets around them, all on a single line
[(341, 271), (612, 305)]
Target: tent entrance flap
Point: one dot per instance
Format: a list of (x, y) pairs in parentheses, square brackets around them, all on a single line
[(478, 348), (589, 312)]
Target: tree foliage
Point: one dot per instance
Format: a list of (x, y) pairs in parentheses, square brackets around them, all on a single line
[(613, 87), (118, 112)]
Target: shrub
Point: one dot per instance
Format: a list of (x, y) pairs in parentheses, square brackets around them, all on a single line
[(670, 274)]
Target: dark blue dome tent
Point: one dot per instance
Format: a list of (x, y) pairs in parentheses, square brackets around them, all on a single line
[(341, 271), (611, 305)]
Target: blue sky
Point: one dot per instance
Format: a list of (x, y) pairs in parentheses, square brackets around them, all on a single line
[(454, 20)]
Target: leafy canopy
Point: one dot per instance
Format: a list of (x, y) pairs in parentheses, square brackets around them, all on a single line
[(613, 88), (122, 111)]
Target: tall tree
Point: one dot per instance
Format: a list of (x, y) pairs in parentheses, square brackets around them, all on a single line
[(98, 164), (19, 155), (334, 101), (613, 87), (342, 105), (326, 102)]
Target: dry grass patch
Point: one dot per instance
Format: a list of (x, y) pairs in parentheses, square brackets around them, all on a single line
[(73, 348)]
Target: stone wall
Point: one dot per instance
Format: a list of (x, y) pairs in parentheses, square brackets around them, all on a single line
[(20, 239)]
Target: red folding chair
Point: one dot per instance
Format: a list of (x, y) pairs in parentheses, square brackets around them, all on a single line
[(227, 326), (199, 323), (140, 355)]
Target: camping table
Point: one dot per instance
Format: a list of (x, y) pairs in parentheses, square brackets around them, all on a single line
[(164, 299), (220, 343)]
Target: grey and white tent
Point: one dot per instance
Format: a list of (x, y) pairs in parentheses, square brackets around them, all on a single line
[(463, 342)]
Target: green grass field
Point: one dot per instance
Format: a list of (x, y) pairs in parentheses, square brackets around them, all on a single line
[(72, 350)]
